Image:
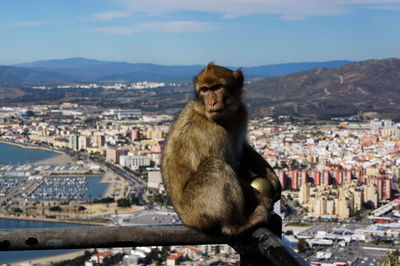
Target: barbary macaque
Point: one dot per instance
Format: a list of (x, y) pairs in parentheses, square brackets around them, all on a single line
[(209, 168)]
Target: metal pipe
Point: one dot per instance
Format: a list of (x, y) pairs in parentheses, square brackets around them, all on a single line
[(256, 248), (113, 236)]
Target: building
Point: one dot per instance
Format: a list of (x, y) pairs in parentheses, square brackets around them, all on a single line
[(304, 195), (73, 142), (98, 140), (174, 258), (370, 195), (113, 154), (294, 177), (134, 161), (83, 142), (342, 201), (384, 186), (98, 258), (154, 182), (282, 179)]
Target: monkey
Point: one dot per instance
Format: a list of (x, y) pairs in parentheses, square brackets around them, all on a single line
[(207, 163)]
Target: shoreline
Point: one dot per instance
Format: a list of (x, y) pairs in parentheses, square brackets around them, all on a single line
[(51, 220), (48, 260), (59, 157), (30, 146)]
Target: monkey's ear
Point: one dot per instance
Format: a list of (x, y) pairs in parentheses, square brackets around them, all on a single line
[(238, 76), (195, 79), (210, 65)]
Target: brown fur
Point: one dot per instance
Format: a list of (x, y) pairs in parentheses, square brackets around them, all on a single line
[(207, 161)]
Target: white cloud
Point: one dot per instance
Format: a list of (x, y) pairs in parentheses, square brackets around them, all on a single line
[(182, 26), (23, 24), (236, 8), (171, 26), (109, 15)]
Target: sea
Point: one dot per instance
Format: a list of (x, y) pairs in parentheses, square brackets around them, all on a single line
[(10, 154), (15, 256), (14, 155)]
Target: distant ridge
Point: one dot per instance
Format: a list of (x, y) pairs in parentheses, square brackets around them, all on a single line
[(11, 74), (319, 93), (368, 86), (90, 70)]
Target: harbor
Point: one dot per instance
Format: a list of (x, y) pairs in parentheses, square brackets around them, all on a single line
[(56, 188)]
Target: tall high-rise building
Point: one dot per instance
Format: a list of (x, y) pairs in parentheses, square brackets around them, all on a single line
[(113, 154), (98, 140), (282, 179), (326, 178), (294, 176), (304, 195), (83, 142), (73, 142)]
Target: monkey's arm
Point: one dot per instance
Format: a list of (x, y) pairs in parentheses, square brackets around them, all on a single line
[(253, 161)]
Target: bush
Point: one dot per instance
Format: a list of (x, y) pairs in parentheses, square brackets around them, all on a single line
[(124, 203), (55, 209), (81, 208), (302, 245), (104, 200), (17, 210)]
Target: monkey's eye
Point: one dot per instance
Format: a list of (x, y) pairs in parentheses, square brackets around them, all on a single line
[(217, 88), (203, 89)]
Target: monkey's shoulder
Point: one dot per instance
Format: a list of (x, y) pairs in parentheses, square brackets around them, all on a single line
[(192, 120), (192, 133)]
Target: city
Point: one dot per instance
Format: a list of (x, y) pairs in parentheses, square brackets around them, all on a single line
[(340, 179)]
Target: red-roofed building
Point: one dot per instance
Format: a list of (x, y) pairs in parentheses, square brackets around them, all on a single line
[(99, 257), (174, 258), (191, 252)]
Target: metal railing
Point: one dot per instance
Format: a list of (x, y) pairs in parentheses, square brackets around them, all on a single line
[(258, 247)]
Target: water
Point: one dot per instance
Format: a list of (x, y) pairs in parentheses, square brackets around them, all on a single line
[(69, 187), (14, 256), (10, 154)]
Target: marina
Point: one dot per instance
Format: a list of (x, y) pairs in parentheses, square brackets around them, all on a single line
[(39, 188), (44, 182)]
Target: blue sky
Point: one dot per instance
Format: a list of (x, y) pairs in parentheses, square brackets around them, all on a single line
[(171, 32)]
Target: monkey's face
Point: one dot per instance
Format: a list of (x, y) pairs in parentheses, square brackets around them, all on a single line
[(213, 100), (219, 89)]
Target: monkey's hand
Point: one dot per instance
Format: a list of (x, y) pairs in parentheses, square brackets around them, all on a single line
[(276, 185), (267, 202)]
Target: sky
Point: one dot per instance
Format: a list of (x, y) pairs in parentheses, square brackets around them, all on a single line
[(186, 32)]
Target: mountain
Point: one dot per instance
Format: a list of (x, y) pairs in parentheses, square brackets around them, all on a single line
[(83, 69), (89, 70), (288, 68), (10, 74), (369, 86), (318, 93)]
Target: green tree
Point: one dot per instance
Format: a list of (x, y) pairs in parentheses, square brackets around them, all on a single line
[(55, 209), (124, 203), (392, 259), (302, 245), (17, 210)]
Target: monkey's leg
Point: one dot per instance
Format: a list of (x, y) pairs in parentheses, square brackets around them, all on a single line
[(253, 161), (213, 197), (258, 214)]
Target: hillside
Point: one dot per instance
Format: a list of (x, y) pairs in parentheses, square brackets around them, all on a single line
[(321, 93), (89, 70), (372, 85), (10, 74)]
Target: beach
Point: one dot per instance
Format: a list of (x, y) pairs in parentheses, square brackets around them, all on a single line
[(60, 159), (50, 259)]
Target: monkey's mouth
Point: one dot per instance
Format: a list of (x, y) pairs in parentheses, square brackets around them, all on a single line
[(215, 112)]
